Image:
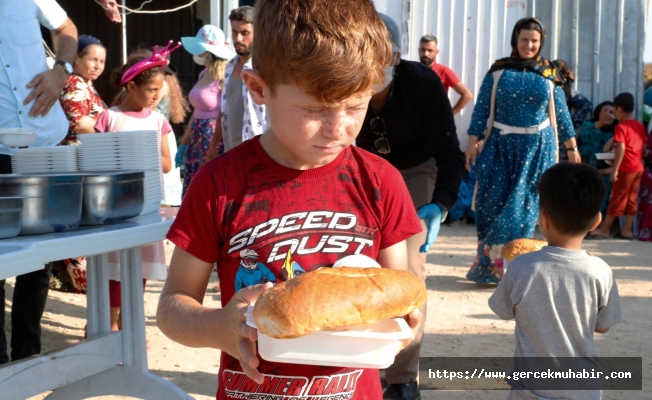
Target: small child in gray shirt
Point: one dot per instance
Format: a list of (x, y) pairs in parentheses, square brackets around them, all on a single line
[(561, 295)]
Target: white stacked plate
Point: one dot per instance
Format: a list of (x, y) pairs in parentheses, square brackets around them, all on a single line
[(45, 159), (133, 150)]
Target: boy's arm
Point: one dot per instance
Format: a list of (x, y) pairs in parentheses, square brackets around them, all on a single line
[(395, 257), (620, 154), (500, 301), (182, 317), (609, 311)]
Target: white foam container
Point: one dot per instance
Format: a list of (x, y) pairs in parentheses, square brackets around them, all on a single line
[(357, 347), (605, 156), (17, 137)]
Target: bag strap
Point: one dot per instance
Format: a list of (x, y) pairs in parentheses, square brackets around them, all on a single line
[(552, 115), (492, 105), (490, 122)]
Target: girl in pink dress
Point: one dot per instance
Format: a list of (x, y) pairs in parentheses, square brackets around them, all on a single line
[(141, 79)]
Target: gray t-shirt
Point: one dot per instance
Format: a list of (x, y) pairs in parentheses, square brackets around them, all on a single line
[(235, 105), (558, 297)]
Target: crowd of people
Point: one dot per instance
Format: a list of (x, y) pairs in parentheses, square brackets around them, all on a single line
[(318, 126)]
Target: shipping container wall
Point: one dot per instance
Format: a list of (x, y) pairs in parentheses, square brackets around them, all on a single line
[(471, 35), (602, 40)]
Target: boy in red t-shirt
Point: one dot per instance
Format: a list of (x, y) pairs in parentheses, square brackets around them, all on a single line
[(299, 190), (629, 141)]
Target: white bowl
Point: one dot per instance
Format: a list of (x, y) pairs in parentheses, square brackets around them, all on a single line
[(358, 347), (17, 137)]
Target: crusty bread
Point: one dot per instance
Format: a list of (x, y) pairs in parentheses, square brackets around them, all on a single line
[(335, 298), (521, 246)]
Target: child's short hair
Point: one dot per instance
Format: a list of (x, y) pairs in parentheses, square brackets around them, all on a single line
[(572, 194), (625, 101), (332, 49)]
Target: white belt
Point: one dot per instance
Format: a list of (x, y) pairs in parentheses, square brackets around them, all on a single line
[(530, 130)]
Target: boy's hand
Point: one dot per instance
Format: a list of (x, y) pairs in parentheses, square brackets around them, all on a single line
[(413, 319), (241, 344), (614, 176)]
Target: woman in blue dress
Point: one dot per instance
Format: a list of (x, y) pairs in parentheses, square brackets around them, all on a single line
[(521, 146)]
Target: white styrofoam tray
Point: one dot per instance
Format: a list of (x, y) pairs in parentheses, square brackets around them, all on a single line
[(605, 156), (357, 347)]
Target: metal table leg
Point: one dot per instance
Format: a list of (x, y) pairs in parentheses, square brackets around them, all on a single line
[(132, 378)]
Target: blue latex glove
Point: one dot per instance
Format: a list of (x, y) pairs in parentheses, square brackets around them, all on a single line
[(431, 215), (181, 155)]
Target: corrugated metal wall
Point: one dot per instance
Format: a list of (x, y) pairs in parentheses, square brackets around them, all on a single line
[(601, 39)]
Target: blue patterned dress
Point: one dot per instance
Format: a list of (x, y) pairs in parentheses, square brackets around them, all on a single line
[(510, 166)]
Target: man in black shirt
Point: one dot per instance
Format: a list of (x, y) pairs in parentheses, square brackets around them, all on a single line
[(410, 124)]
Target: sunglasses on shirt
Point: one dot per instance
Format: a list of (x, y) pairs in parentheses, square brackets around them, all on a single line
[(378, 127)]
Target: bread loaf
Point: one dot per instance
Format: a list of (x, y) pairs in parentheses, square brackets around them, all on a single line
[(335, 298), (521, 246)]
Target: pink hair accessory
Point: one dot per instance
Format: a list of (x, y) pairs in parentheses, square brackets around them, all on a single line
[(158, 59)]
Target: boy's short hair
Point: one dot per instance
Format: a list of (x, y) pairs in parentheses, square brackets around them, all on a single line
[(331, 49), (244, 14), (625, 101), (572, 195)]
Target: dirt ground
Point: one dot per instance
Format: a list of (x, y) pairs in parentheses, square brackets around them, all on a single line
[(459, 321)]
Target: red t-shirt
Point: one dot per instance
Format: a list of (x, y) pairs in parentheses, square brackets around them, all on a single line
[(632, 133), (447, 76), (246, 212)]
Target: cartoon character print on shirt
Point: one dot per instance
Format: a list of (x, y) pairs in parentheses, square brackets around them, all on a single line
[(291, 269), (251, 272)]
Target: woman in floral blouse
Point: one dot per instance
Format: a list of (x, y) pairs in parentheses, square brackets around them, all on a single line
[(82, 106), (79, 99)]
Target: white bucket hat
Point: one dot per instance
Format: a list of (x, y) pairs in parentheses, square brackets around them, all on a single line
[(208, 38)]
